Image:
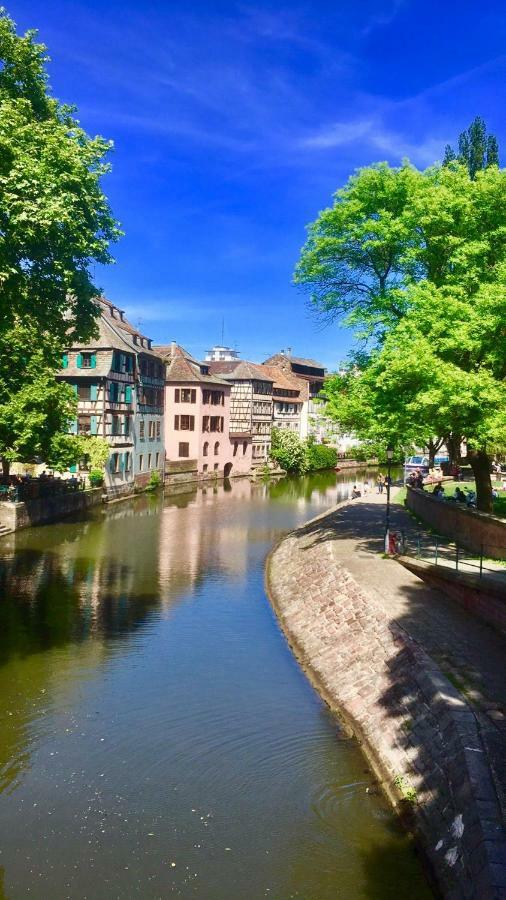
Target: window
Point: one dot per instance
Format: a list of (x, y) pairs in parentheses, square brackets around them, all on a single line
[(116, 425), (141, 430), (128, 462), (216, 448), (149, 461), (84, 424), (205, 467), (141, 462), (114, 391), (212, 423), (84, 391), (158, 426), (84, 463), (184, 423), (236, 445), (184, 449), (126, 425), (86, 360), (151, 430), (215, 398), (115, 463), (244, 447), (262, 387), (216, 467), (185, 395), (157, 463), (205, 449)]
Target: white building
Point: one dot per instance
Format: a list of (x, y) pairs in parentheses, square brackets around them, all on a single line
[(218, 353)]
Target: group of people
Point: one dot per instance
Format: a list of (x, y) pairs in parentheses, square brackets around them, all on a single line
[(382, 482), (468, 497), (415, 479)]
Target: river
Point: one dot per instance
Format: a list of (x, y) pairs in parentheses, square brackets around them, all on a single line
[(157, 736)]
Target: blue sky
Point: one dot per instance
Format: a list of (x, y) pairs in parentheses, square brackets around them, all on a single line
[(233, 125)]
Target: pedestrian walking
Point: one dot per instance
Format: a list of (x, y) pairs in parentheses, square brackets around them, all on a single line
[(380, 481)]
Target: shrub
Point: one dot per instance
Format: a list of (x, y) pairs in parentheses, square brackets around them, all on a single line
[(96, 478), (155, 481), (297, 456)]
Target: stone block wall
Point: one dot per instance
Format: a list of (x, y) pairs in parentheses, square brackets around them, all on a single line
[(420, 736), (14, 516), (479, 532)]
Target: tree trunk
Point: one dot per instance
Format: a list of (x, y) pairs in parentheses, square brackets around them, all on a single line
[(433, 447), (480, 464), (6, 466), (453, 443)]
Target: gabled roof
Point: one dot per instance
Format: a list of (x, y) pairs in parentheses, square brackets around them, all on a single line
[(285, 380), (183, 368), (239, 370), (116, 333), (298, 360)]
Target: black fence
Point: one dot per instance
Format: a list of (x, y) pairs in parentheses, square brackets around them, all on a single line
[(441, 551)]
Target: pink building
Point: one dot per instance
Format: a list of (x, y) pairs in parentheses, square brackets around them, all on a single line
[(197, 422)]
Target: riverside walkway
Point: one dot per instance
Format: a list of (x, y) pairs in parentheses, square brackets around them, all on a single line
[(421, 680)]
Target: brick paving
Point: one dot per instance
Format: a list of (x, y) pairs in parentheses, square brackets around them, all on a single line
[(379, 644)]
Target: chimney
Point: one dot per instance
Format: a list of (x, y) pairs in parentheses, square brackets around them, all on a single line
[(289, 352)]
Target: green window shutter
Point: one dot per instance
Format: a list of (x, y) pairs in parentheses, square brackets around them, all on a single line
[(93, 391), (93, 361), (73, 469), (65, 361), (79, 360), (126, 425), (122, 461), (112, 391), (128, 394), (111, 462), (74, 388), (73, 426), (93, 425)]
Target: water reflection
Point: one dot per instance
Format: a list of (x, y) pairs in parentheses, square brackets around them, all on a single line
[(151, 712)]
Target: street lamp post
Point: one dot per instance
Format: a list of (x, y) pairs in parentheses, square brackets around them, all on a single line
[(390, 453)]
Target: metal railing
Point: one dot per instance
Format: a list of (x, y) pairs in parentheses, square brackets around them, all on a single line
[(441, 551)]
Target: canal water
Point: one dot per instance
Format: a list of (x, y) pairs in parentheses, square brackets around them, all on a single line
[(157, 738)]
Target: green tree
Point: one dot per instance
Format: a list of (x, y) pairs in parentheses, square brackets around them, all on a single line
[(442, 371), (390, 228), (35, 409), (55, 222), (476, 149), (288, 450)]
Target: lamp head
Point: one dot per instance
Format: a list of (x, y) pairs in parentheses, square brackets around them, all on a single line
[(390, 452)]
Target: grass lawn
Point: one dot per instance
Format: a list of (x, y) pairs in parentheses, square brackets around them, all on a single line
[(449, 486)]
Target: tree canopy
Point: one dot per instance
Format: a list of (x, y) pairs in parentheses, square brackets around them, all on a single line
[(417, 262), (476, 149), (35, 408), (55, 221)]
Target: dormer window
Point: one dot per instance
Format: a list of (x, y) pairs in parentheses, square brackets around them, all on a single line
[(135, 339), (112, 311)]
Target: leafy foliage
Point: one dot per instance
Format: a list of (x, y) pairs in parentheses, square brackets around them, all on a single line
[(477, 149), (55, 222), (96, 449), (298, 456), (436, 310), (35, 409)]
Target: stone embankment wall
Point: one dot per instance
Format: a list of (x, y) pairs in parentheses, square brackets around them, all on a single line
[(420, 736), (14, 516), (479, 532)]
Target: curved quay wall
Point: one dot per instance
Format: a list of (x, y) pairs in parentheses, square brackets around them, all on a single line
[(418, 733)]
